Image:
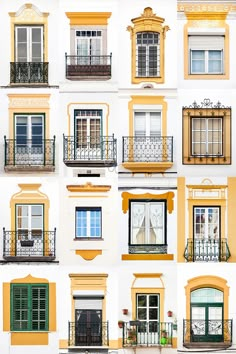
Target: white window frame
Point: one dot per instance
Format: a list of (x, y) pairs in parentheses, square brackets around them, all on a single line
[(88, 211), (148, 128), (204, 229), (29, 42), (29, 218)]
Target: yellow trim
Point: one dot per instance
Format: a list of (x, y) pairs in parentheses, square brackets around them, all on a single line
[(231, 217), (149, 167), (63, 343), (213, 20), (207, 281), (88, 187), (88, 18), (147, 257), (222, 7), (87, 196), (88, 281), (147, 275), (174, 342), (31, 103), (148, 290), (147, 22), (88, 255), (188, 113), (29, 338), (127, 196), (181, 216), (29, 14), (29, 194), (88, 104)]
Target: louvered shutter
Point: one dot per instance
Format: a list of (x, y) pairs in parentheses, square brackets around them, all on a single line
[(39, 308), (139, 123), (88, 304), (206, 42), (21, 44), (20, 310), (155, 123)]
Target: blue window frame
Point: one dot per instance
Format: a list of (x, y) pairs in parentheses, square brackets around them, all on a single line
[(88, 222)]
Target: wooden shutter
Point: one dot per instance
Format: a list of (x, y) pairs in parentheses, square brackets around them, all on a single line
[(39, 308), (20, 308)]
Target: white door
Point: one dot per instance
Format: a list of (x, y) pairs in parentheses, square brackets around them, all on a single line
[(29, 230), (88, 47), (88, 135), (147, 145), (29, 139)]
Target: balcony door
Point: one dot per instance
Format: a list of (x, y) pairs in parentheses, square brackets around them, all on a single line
[(88, 127), (207, 233), (29, 229), (29, 44), (88, 47), (207, 315), (147, 145), (29, 139), (88, 327)]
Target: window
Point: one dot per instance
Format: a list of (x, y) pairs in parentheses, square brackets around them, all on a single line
[(207, 223), (206, 54), (207, 133), (148, 310), (29, 43), (29, 131), (89, 46), (147, 225), (88, 128), (88, 222), (29, 307), (148, 54), (29, 221), (147, 124)]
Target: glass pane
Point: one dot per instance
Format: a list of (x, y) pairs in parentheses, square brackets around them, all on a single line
[(138, 223), (207, 295), (214, 66), (153, 315), (142, 313), (156, 224), (153, 300), (142, 300)]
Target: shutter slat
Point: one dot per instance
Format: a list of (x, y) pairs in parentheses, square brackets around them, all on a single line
[(206, 42)]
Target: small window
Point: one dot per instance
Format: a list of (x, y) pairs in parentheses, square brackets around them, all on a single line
[(29, 307), (206, 54), (88, 222), (147, 226)]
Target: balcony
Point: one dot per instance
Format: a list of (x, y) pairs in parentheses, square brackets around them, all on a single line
[(142, 333), (214, 334), (147, 249), (29, 155), (206, 250), (90, 151), (147, 153), (28, 73), (29, 245), (88, 67), (88, 334)]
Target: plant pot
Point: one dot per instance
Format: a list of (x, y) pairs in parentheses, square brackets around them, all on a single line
[(27, 243), (169, 313), (163, 340), (125, 311), (120, 324)]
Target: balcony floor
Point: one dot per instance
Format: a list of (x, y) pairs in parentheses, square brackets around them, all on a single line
[(29, 168), (29, 258), (207, 345)]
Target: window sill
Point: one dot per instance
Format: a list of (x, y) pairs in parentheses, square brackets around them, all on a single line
[(147, 257), (147, 166), (88, 239), (207, 160), (206, 77)]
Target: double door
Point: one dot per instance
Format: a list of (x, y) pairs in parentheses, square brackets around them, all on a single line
[(88, 327)]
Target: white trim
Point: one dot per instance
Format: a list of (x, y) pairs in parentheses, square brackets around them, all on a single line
[(206, 31), (147, 107), (88, 292)]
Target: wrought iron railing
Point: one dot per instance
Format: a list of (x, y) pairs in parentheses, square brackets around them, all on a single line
[(143, 333), (147, 149), (29, 243), (88, 65), (28, 73), (99, 149), (207, 331), (147, 249), (28, 152), (207, 250), (88, 334)]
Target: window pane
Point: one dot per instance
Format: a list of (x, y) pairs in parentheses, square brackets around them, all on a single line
[(142, 300), (153, 300), (147, 54)]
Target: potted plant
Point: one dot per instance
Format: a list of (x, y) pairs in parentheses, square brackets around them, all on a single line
[(169, 313), (125, 311), (120, 324), (164, 338), (132, 337)]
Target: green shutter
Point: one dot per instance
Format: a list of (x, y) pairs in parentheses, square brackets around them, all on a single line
[(29, 307)]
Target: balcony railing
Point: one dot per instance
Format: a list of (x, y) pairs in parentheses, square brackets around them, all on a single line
[(29, 73), (147, 249), (199, 332), (142, 333), (36, 153), (84, 151), (87, 66), (206, 250), (29, 245), (88, 334), (147, 149)]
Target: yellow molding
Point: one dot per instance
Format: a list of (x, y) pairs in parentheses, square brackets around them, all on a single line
[(29, 14), (29, 279), (231, 218), (148, 167), (52, 324), (63, 343), (127, 196), (88, 255), (206, 186), (88, 187), (181, 216), (174, 342), (87, 196), (29, 338), (206, 15), (88, 18), (87, 104), (89, 275), (147, 257), (148, 21), (206, 281), (222, 7), (147, 275)]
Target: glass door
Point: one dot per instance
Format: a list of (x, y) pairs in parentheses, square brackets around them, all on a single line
[(88, 327)]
